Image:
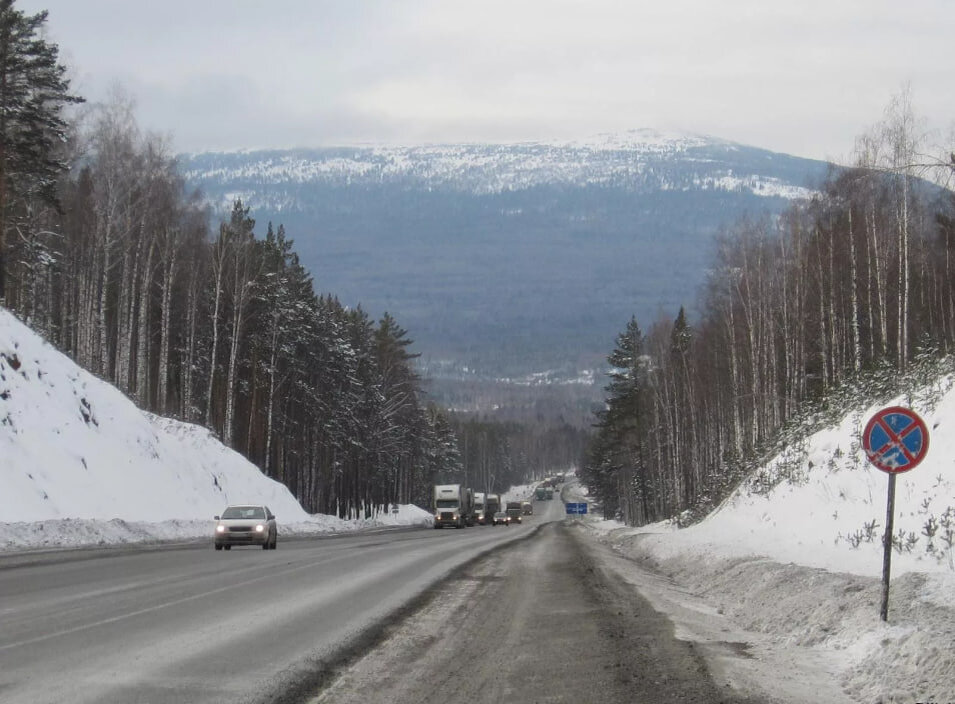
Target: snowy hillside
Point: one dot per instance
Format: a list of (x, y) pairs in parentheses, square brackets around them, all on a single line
[(795, 556), (820, 503), (76, 453)]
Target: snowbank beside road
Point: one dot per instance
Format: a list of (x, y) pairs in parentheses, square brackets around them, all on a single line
[(818, 615), (83, 532), (795, 555)]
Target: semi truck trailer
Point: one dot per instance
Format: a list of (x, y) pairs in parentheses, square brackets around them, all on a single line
[(451, 505)]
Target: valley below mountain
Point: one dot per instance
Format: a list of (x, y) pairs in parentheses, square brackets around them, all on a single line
[(512, 264)]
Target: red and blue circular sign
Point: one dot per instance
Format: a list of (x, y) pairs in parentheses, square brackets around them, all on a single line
[(895, 439)]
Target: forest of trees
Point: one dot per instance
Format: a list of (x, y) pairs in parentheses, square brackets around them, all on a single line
[(496, 456), (857, 280), (104, 253)]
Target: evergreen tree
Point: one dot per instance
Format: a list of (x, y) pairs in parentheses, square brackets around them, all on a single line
[(34, 91), (616, 470)]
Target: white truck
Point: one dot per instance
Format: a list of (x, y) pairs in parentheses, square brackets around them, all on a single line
[(451, 505), (479, 507)]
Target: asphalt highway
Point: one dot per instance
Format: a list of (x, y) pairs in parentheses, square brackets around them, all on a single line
[(190, 624)]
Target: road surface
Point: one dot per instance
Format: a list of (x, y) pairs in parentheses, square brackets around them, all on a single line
[(524, 613), (539, 621), (202, 626)]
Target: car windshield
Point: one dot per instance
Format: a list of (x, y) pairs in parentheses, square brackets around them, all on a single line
[(244, 512), (447, 503)]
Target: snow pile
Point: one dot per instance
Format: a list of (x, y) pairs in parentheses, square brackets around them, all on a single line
[(796, 553), (82, 464), (83, 532)]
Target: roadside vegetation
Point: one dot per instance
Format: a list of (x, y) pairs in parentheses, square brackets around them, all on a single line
[(844, 297), (105, 253)]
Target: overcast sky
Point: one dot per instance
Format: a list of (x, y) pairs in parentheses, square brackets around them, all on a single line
[(803, 77)]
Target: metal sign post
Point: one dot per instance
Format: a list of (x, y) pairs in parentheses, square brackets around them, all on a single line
[(887, 548), (895, 440)]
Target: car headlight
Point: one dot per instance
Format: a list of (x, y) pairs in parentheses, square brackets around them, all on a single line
[(220, 529), (259, 528)]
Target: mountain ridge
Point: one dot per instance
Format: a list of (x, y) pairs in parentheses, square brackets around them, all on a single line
[(510, 259), (607, 159)]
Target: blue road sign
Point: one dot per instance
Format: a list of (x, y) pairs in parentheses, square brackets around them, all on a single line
[(576, 509)]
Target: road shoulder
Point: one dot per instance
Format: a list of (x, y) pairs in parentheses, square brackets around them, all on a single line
[(755, 664)]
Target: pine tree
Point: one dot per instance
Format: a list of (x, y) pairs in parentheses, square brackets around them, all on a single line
[(34, 91), (616, 467)]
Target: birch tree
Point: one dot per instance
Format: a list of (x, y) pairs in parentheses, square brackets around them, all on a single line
[(900, 133), (243, 264)]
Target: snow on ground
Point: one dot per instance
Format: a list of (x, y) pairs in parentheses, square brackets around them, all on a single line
[(792, 561), (795, 555), (82, 465), (82, 532)]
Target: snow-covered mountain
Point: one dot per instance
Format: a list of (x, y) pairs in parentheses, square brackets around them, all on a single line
[(631, 160), (510, 259), (81, 463)]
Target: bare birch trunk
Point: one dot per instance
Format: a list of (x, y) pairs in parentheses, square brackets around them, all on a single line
[(270, 404), (854, 300), (215, 348), (125, 315), (102, 352), (189, 412), (143, 348), (165, 330)]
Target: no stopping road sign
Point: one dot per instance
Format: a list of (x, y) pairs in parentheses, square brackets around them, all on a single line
[(895, 439)]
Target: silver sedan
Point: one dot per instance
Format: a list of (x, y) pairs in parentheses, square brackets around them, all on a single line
[(246, 524)]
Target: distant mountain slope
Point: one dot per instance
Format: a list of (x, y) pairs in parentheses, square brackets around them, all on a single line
[(512, 258)]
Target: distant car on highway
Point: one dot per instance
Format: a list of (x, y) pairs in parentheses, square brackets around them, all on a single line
[(246, 524), (501, 517)]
